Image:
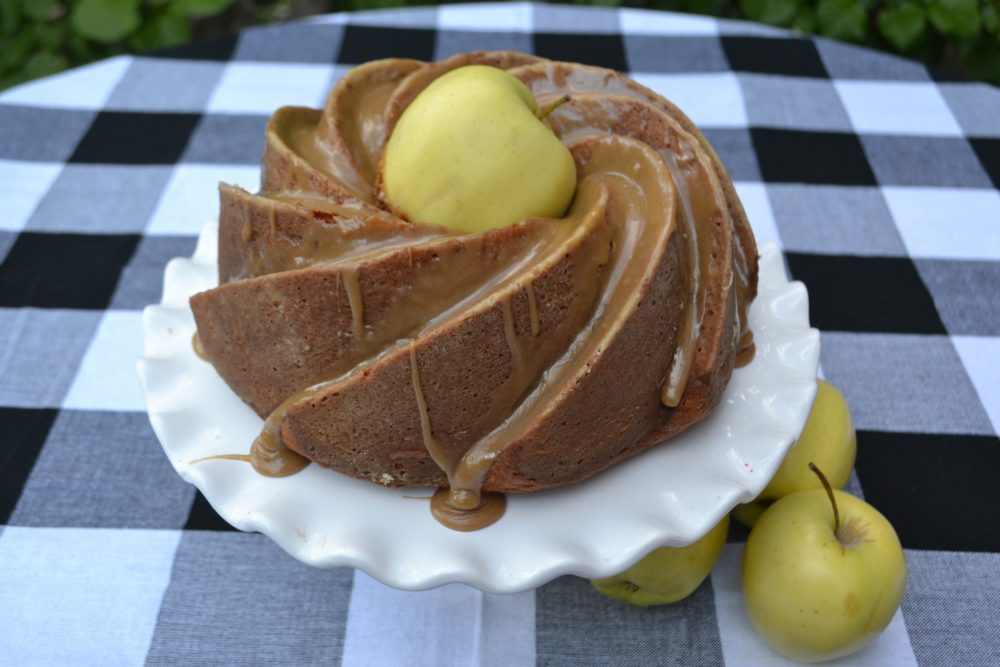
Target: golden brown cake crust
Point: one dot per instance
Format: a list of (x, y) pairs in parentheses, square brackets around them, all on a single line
[(486, 350)]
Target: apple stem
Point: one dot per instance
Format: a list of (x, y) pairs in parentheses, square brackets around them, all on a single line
[(829, 492), (544, 113)]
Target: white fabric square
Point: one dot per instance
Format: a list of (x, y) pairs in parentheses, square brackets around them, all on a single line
[(947, 223), (107, 378), (191, 197), (896, 107), (644, 22), (743, 647), (450, 625), (981, 358), (86, 87), (81, 596), (22, 187), (710, 100), (758, 209), (489, 17), (260, 88)]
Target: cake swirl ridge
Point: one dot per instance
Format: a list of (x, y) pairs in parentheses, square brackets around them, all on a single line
[(410, 354)]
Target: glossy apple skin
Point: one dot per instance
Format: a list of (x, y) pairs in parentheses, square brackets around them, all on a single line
[(811, 598), (667, 574), (470, 153), (828, 440)]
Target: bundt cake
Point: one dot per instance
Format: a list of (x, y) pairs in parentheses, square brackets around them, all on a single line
[(521, 358)]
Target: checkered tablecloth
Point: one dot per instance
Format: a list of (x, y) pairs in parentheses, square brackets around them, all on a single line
[(878, 180)]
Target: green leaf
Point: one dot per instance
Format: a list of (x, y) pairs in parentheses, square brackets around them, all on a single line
[(202, 8), (991, 18), (44, 63), (805, 20), (983, 62), (668, 5), (902, 25), (955, 17), (38, 9), (13, 79), (14, 51), (10, 17), (81, 49), (842, 19), (52, 35), (775, 12), (166, 26), (106, 20), (699, 6)]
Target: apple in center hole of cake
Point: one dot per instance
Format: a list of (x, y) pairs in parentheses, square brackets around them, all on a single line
[(472, 152)]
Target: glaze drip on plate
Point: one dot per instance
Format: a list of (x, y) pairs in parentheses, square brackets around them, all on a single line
[(517, 359)]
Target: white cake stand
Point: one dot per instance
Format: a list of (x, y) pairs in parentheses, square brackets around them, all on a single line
[(669, 495)]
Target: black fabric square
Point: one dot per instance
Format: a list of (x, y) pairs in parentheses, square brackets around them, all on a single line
[(364, 43), (64, 270), (600, 50), (988, 152), (203, 517), (24, 434), (136, 138), (795, 156), (901, 474), (216, 48), (771, 55), (945, 75), (865, 294)]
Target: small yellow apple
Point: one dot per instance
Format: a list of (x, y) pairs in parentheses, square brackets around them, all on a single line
[(471, 153), (667, 574), (748, 513), (828, 440), (823, 574)]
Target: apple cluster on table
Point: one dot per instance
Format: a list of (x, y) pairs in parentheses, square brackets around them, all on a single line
[(823, 571)]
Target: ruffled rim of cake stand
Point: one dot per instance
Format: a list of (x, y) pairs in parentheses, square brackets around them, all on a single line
[(670, 495)]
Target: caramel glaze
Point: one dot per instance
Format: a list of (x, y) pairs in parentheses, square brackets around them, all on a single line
[(268, 456), (533, 310), (466, 463), (198, 348), (745, 349), (643, 206), (645, 174), (604, 103), (479, 512)]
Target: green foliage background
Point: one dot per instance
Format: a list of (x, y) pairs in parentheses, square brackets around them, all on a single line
[(41, 37)]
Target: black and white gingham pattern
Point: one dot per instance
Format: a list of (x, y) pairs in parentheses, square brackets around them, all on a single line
[(878, 180)]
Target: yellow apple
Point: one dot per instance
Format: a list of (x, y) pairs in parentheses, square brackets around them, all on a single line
[(821, 583), (828, 440), (471, 153), (667, 574), (748, 513)]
